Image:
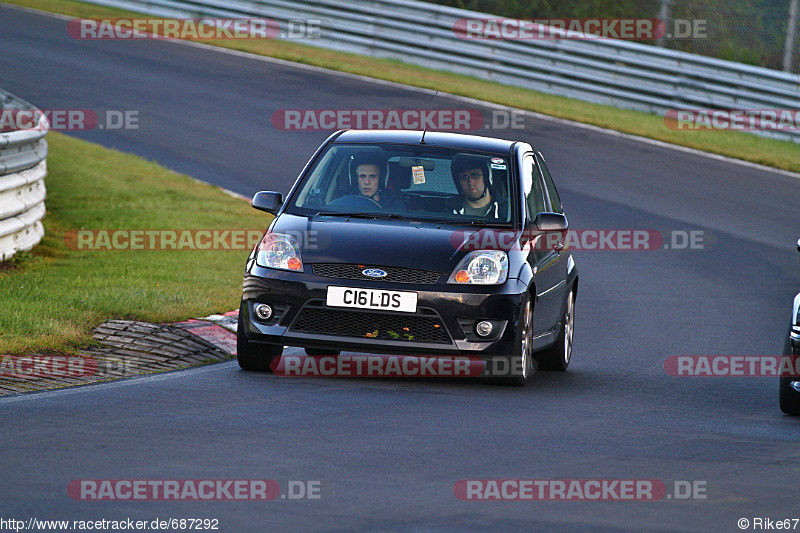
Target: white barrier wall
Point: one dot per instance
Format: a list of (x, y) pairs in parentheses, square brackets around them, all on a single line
[(23, 167)]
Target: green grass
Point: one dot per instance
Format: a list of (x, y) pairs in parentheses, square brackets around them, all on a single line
[(780, 154), (52, 297)]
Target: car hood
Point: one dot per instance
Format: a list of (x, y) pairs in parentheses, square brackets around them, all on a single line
[(419, 245)]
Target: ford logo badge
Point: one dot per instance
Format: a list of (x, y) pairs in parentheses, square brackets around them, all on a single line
[(374, 273)]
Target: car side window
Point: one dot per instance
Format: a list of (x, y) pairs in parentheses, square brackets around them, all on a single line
[(555, 201), (534, 195)]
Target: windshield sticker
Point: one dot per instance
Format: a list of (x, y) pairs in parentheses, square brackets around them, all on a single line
[(498, 160), (498, 167), (419, 175)]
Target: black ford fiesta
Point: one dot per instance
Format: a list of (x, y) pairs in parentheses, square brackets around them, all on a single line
[(404, 242)]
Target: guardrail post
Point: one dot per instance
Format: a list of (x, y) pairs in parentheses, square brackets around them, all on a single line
[(663, 15), (791, 32)]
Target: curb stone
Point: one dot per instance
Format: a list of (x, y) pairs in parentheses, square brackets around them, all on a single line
[(130, 348)]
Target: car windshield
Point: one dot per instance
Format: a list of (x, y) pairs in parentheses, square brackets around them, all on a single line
[(407, 182)]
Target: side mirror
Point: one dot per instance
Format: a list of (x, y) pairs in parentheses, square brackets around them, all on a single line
[(551, 222), (268, 201)]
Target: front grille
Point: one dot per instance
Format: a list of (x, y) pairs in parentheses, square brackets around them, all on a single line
[(381, 326), (393, 274)]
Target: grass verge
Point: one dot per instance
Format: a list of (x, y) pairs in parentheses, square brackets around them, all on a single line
[(779, 154), (51, 297)]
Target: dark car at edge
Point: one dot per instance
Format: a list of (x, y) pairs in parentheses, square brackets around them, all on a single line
[(789, 393)]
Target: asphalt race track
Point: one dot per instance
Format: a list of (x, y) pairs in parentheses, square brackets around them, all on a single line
[(388, 452)]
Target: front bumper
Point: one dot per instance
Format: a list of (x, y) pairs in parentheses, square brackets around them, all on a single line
[(442, 325)]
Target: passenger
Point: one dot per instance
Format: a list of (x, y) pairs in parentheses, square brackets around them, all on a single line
[(473, 180)]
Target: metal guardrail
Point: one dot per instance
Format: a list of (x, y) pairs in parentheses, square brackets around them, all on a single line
[(23, 167), (604, 71)]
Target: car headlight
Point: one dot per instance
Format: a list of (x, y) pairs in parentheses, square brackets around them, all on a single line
[(277, 250), (481, 268)]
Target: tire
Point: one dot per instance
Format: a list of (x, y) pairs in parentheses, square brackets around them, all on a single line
[(522, 357), (318, 352), (789, 398), (558, 356), (254, 356)]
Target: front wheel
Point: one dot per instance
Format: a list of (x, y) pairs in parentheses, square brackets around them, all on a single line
[(253, 356), (522, 365), (789, 396), (557, 356)]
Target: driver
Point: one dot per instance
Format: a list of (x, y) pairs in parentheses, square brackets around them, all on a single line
[(473, 180), (370, 178)]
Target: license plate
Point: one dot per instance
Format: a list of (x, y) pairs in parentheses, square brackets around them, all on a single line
[(372, 299)]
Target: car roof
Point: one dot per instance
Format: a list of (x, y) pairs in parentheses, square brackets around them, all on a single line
[(432, 138)]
